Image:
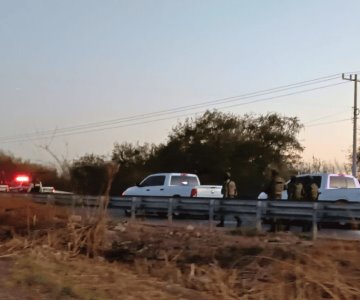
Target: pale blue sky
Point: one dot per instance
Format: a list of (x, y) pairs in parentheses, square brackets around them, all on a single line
[(67, 63)]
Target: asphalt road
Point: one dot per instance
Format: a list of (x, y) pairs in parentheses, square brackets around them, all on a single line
[(335, 233)]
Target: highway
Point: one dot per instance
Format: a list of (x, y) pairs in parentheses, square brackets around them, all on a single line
[(334, 233)]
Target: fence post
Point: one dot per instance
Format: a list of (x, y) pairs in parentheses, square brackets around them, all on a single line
[(258, 216), (314, 221), (170, 210), (211, 212), (50, 199), (133, 208), (73, 203)]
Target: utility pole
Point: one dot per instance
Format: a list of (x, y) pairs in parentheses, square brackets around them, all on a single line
[(356, 112)]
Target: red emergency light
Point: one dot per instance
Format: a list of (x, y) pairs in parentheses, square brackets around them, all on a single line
[(22, 178)]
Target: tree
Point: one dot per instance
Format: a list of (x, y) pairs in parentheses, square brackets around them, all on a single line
[(11, 165), (133, 160), (89, 174), (247, 145)]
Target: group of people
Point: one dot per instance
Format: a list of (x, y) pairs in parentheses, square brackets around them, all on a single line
[(297, 190), (303, 188)]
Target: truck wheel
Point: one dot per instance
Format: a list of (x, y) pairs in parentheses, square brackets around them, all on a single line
[(341, 201), (176, 214)]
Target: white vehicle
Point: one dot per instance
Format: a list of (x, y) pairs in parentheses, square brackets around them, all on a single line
[(4, 188), (173, 185), (47, 189), (333, 187)]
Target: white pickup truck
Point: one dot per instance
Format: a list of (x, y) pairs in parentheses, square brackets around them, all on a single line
[(333, 187), (173, 185)]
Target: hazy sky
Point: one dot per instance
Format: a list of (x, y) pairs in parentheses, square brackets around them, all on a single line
[(70, 63)]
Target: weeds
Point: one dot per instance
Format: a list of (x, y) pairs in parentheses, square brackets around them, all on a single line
[(54, 261), (249, 232)]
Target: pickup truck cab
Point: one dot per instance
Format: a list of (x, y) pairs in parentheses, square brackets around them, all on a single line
[(173, 185), (333, 187)]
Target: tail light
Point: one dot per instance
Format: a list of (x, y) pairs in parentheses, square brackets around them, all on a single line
[(193, 193)]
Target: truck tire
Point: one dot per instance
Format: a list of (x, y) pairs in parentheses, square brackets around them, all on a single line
[(341, 201)]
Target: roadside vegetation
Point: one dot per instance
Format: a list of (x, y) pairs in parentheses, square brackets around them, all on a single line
[(47, 252), (208, 145)]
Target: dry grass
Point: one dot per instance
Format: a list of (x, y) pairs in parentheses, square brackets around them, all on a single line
[(60, 257)]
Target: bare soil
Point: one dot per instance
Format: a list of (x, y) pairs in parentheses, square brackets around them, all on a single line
[(46, 253)]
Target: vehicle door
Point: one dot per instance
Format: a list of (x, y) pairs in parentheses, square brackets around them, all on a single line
[(152, 186)]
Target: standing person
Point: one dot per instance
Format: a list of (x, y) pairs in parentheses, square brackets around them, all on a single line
[(299, 192), (311, 189), (274, 190), (291, 187), (311, 194), (295, 192), (276, 186), (228, 191), (295, 189)]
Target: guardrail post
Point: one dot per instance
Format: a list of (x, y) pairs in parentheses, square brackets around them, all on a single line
[(258, 216), (50, 199), (133, 208), (314, 221), (211, 212), (73, 203), (170, 210)]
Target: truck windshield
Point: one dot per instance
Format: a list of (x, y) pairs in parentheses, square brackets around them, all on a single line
[(183, 180)]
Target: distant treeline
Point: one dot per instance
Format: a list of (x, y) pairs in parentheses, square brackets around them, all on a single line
[(248, 146)]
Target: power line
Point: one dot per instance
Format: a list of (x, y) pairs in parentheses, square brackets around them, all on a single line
[(178, 109), (102, 127), (330, 122), (325, 117)]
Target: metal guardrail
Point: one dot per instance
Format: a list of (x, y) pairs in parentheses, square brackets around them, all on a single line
[(261, 210)]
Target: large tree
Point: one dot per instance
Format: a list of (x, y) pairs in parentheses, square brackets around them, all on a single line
[(247, 145)]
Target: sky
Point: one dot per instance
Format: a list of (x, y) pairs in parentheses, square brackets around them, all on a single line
[(109, 66)]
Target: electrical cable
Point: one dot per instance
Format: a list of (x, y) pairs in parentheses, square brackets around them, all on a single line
[(179, 109), (102, 127)]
